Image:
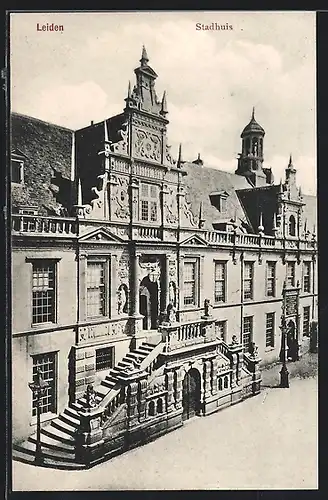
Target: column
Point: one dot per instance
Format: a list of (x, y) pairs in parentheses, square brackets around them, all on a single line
[(113, 281), (165, 285), (179, 375), (82, 271), (207, 379), (135, 311)]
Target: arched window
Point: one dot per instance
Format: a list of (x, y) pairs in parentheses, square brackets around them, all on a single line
[(292, 226), (220, 384), (226, 382), (160, 405), (151, 408)]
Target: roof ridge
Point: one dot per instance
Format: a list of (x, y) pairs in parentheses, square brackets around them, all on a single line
[(41, 121)]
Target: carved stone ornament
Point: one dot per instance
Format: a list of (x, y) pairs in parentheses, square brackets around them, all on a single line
[(120, 198), (147, 145)]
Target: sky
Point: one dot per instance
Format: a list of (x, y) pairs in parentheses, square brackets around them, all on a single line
[(212, 78)]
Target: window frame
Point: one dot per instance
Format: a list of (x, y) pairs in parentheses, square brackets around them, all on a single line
[(308, 309), (152, 201), (271, 343), (195, 262), (53, 387), (250, 333), (293, 264), (105, 261), (223, 280), (307, 264), (54, 264), (292, 224), (271, 279), (112, 356), (251, 280)]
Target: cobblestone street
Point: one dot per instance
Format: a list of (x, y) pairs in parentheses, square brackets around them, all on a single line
[(267, 442)]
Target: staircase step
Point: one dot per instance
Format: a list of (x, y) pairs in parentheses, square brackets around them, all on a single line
[(68, 419), (63, 427), (72, 412), (107, 383), (59, 456), (145, 348), (149, 344), (22, 456), (53, 444), (58, 435), (132, 356), (75, 406)]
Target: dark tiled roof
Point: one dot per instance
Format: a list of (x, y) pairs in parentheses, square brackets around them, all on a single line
[(202, 181), (48, 149), (310, 211), (251, 127)]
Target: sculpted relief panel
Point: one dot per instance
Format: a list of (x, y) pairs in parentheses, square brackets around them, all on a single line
[(147, 145), (170, 205), (119, 198)]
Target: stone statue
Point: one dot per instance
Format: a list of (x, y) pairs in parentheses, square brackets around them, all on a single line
[(207, 307), (172, 296), (171, 313), (121, 300), (253, 350), (90, 396), (234, 340)]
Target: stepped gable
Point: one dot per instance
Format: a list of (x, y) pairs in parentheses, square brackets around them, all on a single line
[(47, 148), (201, 181)]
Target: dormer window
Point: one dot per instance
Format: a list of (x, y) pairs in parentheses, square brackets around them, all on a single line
[(17, 171), (17, 166), (219, 200)]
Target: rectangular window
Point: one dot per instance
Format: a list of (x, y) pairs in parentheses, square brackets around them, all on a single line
[(247, 332), (221, 330), (306, 320), (46, 363), (17, 171), (220, 282), (149, 202), (307, 277), (43, 292), (269, 330), (96, 289), (248, 280), (104, 358), (189, 283), (290, 274), (271, 279)]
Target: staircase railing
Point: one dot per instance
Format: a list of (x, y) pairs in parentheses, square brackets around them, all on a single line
[(178, 335)]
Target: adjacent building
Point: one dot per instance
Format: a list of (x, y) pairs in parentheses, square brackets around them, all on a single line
[(124, 258)]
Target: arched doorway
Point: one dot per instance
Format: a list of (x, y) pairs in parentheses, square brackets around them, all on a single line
[(148, 300), (292, 343), (191, 394)]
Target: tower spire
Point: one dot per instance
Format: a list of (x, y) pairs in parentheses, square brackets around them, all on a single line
[(144, 56), (290, 163), (79, 193), (129, 90), (253, 113), (163, 110)]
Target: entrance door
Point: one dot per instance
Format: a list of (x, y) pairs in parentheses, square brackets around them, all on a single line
[(191, 394), (148, 303), (292, 343)]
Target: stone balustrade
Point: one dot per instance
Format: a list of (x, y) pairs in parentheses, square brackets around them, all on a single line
[(178, 335), (36, 224), (67, 226)]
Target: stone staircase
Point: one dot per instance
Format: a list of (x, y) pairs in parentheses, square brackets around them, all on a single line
[(58, 438)]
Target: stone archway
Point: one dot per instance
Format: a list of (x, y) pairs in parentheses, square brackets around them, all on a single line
[(191, 394)]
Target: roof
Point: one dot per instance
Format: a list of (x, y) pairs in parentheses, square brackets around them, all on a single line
[(202, 181), (253, 127), (48, 149)]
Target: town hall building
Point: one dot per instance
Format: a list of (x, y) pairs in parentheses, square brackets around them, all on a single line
[(146, 289)]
